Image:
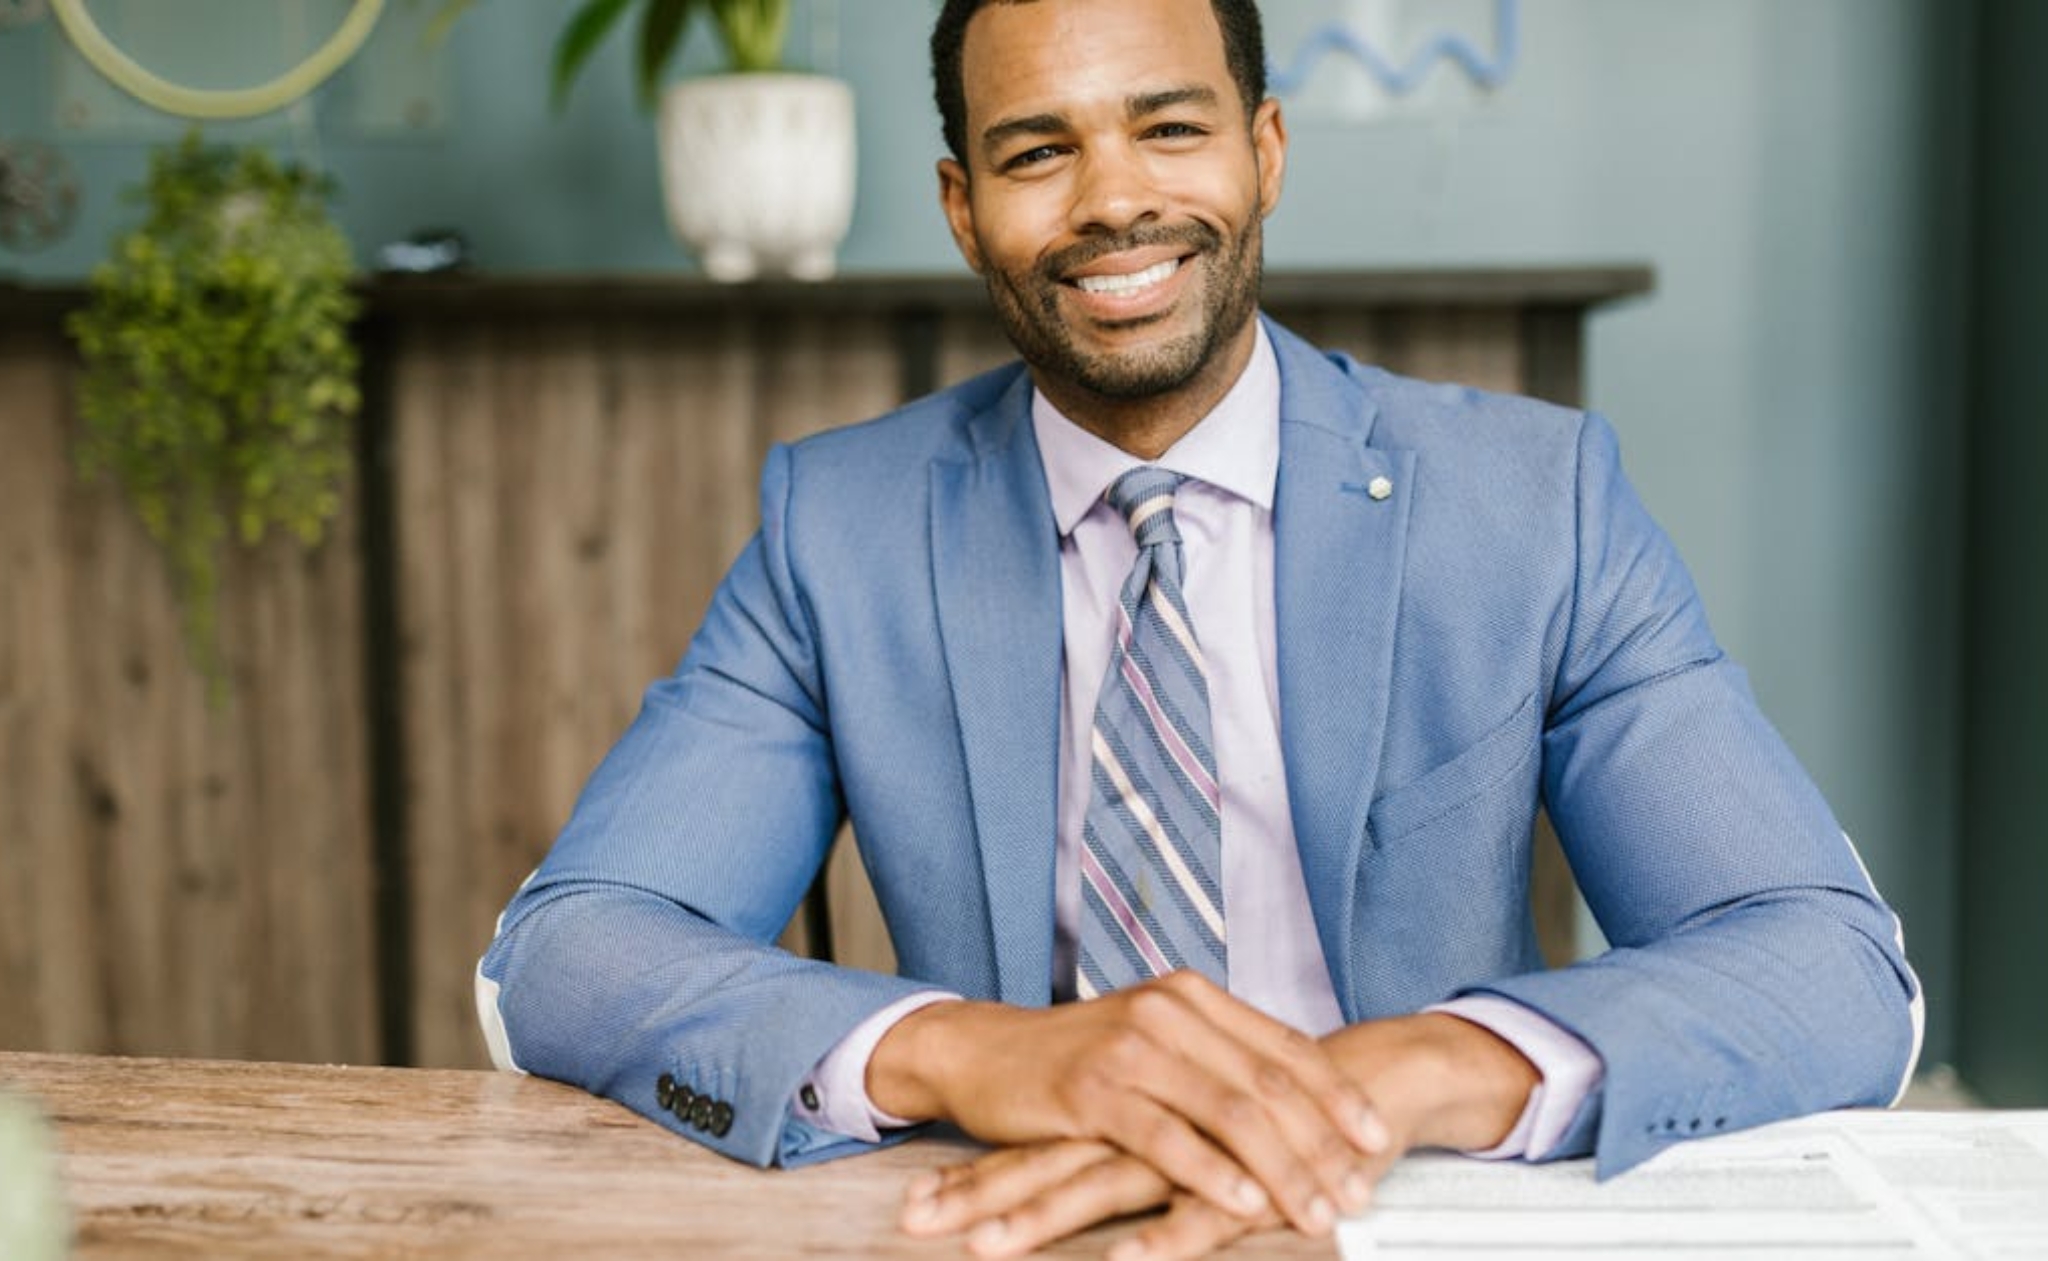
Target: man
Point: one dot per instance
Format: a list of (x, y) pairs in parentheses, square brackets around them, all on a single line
[(1192, 694)]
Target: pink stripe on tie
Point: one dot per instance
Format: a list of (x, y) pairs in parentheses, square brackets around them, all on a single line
[(1106, 889), (1183, 756)]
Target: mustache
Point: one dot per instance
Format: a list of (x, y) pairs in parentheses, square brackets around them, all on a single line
[(1197, 237)]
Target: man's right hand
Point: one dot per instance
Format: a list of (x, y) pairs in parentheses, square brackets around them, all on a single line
[(1218, 1097)]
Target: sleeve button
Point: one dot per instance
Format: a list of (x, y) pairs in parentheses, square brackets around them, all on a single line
[(808, 1096), (721, 1119), (700, 1112), (665, 1091)]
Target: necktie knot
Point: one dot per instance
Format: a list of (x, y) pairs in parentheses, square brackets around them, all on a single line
[(1143, 497)]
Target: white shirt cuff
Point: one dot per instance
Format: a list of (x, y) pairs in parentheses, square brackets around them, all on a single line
[(1571, 1071), (835, 1096)]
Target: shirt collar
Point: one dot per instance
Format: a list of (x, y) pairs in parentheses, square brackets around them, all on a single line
[(1235, 448)]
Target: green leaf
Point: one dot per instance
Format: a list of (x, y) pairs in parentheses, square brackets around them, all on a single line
[(580, 38), (443, 21), (754, 31), (661, 29)]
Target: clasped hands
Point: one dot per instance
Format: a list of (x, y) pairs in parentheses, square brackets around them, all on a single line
[(1174, 1094)]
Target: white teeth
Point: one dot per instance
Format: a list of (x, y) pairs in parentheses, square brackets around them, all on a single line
[(1132, 283)]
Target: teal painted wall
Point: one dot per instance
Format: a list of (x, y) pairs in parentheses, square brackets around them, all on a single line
[(1789, 399), (2004, 1020)]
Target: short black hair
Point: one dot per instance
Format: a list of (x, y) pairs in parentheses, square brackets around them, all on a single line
[(1244, 50)]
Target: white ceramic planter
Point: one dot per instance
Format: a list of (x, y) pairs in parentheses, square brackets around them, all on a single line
[(758, 172)]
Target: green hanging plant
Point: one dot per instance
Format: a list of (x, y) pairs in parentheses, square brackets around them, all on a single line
[(220, 380)]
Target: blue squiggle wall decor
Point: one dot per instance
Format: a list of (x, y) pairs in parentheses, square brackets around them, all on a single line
[(1336, 37)]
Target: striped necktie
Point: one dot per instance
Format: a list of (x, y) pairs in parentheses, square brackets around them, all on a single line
[(1151, 860)]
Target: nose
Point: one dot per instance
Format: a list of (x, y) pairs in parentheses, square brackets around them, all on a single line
[(1113, 192)]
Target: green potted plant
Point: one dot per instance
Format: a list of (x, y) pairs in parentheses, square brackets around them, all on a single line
[(757, 162), (219, 377)]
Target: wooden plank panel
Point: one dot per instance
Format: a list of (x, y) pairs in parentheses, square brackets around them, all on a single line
[(205, 889), (50, 943), (1476, 346), (969, 344), (567, 507)]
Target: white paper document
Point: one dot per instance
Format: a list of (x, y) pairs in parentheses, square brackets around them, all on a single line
[(1841, 1185)]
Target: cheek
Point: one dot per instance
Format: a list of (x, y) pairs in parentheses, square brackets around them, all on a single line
[(1016, 231)]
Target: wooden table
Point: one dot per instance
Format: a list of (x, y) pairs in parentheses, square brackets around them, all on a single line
[(202, 1158)]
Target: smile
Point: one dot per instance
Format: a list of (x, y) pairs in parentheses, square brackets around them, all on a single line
[(1135, 282)]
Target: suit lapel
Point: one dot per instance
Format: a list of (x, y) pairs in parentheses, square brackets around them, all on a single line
[(1338, 556), (995, 552)]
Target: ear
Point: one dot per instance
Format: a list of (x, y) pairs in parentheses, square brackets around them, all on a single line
[(1269, 142), (955, 200)]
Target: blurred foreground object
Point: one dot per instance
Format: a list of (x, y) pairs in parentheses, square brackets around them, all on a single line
[(33, 1223)]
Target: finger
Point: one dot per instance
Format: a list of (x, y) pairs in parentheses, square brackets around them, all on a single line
[(945, 1201), (1097, 1193), (1341, 1099), (1327, 1117), (1255, 1107), (1169, 1143), (1191, 1228)]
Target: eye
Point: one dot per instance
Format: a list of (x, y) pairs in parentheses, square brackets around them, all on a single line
[(1175, 131), (1031, 157)]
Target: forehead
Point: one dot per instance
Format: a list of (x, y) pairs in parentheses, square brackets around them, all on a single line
[(1059, 56)]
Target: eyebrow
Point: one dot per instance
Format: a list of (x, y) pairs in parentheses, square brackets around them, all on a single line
[(1137, 106)]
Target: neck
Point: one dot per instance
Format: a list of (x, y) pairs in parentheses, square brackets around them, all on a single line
[(1146, 427)]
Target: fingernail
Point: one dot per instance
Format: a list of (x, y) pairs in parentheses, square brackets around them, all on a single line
[(918, 1212), (1357, 1192), (1132, 1249), (1321, 1214), (1250, 1196), (988, 1235), (924, 1186), (1373, 1132)]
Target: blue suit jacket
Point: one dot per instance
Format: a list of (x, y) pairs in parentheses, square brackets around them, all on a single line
[(1508, 627)]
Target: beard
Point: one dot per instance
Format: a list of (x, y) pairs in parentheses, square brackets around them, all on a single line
[(1027, 304)]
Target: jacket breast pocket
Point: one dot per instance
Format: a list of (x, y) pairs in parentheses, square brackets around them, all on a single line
[(1499, 759)]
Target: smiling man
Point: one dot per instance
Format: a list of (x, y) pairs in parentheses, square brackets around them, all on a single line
[(1193, 693)]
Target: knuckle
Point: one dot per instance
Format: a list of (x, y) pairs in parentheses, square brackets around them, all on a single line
[(962, 1180), (1164, 1134), (1273, 1081), (1334, 1152), (1152, 1003), (1126, 1051), (1238, 1110)]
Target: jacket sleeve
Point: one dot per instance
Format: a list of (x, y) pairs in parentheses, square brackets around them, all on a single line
[(637, 962), (1755, 973)]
